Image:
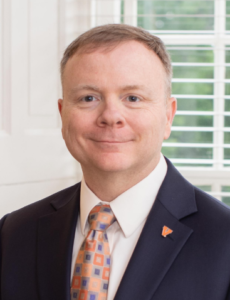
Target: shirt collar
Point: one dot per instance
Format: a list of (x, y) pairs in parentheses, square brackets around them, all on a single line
[(133, 206)]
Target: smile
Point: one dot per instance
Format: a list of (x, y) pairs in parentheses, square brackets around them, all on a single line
[(111, 141)]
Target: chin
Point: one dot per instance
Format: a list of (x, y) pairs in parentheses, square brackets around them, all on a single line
[(112, 165), (105, 162)]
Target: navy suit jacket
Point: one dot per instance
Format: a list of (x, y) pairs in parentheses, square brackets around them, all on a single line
[(192, 263)]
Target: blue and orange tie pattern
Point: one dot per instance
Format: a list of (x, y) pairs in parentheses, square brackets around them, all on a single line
[(92, 267)]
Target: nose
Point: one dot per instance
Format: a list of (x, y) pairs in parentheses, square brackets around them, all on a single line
[(111, 114)]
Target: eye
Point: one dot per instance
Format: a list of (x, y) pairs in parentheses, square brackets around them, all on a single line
[(88, 98), (133, 98)]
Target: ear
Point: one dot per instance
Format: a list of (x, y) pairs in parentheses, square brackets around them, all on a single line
[(60, 105), (171, 111)]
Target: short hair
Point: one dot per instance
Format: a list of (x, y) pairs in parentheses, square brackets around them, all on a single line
[(110, 35)]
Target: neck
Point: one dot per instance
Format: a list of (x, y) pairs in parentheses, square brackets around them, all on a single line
[(109, 185)]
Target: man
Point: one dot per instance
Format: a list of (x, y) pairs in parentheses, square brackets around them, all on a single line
[(166, 239)]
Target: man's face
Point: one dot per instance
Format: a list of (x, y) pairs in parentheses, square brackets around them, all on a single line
[(114, 111)]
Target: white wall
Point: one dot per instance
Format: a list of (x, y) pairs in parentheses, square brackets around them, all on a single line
[(34, 161)]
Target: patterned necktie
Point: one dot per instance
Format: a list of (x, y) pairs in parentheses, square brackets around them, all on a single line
[(92, 267)]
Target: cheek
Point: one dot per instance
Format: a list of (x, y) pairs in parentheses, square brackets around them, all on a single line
[(150, 124), (70, 125)]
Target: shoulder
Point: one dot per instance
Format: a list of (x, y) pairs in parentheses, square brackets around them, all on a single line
[(211, 208), (30, 213), (210, 223), (183, 199)]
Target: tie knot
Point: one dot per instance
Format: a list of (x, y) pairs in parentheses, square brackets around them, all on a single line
[(101, 217)]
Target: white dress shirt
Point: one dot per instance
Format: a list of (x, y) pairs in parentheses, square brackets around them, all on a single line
[(131, 210)]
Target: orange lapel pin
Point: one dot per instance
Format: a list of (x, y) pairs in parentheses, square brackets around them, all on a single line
[(166, 231)]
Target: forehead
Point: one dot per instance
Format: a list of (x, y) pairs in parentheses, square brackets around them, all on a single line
[(129, 61)]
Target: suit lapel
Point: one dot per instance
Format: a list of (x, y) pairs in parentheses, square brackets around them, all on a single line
[(154, 254), (55, 243)]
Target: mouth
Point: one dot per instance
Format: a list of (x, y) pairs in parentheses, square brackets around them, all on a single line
[(111, 145), (111, 141)]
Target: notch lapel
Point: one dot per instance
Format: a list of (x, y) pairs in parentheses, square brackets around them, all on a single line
[(154, 254), (56, 233)]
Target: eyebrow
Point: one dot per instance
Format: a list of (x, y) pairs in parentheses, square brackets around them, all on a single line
[(97, 89), (133, 87)]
